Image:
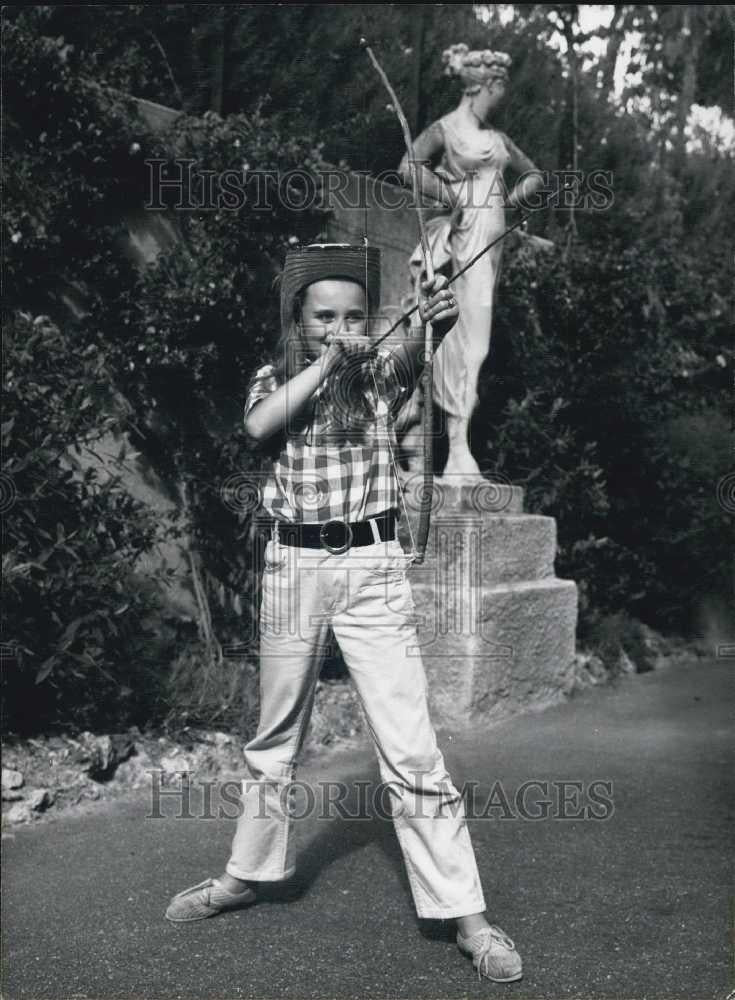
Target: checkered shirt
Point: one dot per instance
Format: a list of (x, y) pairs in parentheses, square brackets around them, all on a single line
[(329, 468)]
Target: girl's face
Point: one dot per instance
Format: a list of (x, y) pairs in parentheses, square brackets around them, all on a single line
[(333, 305)]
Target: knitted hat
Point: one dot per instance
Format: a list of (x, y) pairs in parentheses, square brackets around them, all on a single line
[(318, 261)]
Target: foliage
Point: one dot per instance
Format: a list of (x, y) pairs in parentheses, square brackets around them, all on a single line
[(76, 614), (185, 334), (179, 340), (606, 388), (614, 637), (202, 692), (568, 366)]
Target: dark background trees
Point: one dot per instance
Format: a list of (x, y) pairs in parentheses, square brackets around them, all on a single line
[(607, 390)]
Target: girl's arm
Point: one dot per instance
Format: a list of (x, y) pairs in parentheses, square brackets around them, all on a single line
[(276, 410)]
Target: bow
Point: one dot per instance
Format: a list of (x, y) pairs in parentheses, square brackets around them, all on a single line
[(427, 375), (425, 495)]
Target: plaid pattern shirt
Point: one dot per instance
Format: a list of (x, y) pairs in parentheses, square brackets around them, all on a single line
[(337, 464)]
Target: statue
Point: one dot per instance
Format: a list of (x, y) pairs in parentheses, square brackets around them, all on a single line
[(469, 159)]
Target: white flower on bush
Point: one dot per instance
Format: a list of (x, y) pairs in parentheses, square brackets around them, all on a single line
[(15, 238)]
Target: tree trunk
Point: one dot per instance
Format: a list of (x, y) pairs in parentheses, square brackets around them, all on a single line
[(568, 17), (615, 40), (218, 61), (208, 57), (692, 43)]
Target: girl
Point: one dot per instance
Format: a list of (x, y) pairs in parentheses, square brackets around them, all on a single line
[(333, 561)]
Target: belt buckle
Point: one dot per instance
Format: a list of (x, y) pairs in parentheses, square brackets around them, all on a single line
[(347, 533)]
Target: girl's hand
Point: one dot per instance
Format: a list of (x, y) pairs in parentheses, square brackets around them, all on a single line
[(337, 347), (437, 305)]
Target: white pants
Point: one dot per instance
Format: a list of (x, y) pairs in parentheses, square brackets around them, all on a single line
[(365, 596)]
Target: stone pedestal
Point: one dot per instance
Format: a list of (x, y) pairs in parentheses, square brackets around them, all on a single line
[(496, 627)]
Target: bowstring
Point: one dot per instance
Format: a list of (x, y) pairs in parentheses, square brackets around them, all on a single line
[(383, 411)]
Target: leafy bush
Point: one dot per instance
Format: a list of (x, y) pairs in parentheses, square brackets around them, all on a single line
[(202, 691), (163, 351), (617, 636), (76, 613), (605, 394)]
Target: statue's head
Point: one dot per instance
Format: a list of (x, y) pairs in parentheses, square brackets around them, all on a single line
[(483, 73)]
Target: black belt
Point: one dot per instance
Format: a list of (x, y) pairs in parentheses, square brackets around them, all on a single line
[(338, 536)]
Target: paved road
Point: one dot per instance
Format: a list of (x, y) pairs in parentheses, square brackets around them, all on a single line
[(637, 905)]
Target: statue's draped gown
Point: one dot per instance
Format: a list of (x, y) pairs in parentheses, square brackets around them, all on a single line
[(472, 163)]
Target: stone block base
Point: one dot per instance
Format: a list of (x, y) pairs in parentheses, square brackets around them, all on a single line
[(496, 627)]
